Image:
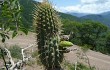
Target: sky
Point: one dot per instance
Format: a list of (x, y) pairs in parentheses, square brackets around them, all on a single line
[(81, 6)]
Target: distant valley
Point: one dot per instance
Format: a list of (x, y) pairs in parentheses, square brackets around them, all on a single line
[(78, 14)]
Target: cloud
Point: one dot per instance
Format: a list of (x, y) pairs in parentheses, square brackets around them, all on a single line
[(93, 1), (88, 1), (88, 6)]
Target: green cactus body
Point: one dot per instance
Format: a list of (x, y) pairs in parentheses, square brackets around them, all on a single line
[(48, 28)]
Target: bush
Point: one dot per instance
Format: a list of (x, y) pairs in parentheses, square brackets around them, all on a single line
[(80, 66), (15, 51), (2, 53)]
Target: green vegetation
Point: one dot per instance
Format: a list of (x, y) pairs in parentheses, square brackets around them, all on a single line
[(15, 51), (27, 10), (102, 18), (65, 44), (27, 7), (68, 16), (79, 66), (2, 53), (91, 33), (107, 44), (10, 19)]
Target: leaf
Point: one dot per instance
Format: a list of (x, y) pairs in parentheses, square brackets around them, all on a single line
[(14, 34), (3, 40), (7, 37), (24, 30), (65, 44), (3, 37)]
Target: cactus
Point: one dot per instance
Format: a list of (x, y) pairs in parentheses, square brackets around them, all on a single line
[(65, 44), (48, 29)]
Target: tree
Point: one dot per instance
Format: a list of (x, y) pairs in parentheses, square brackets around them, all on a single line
[(10, 20), (69, 26), (93, 32), (107, 46)]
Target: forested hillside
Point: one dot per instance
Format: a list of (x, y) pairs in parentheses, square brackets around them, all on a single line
[(69, 17), (28, 7), (101, 17)]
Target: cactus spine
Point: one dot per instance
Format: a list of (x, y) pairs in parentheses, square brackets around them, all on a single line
[(48, 28)]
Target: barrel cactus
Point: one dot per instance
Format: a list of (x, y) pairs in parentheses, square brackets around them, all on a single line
[(48, 29)]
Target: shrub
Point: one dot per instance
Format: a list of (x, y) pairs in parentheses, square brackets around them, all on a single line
[(15, 51), (80, 66)]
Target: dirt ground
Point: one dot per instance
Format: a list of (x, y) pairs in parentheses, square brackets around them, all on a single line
[(98, 60)]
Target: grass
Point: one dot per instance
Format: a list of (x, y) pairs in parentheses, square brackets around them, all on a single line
[(15, 51), (79, 66)]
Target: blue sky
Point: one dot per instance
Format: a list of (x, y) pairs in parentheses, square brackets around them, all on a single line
[(81, 6), (65, 2)]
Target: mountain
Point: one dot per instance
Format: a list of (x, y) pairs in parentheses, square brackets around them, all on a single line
[(27, 10), (102, 17), (77, 14), (69, 17), (28, 6), (106, 13)]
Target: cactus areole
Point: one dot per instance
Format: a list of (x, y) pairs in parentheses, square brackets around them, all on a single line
[(48, 29)]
